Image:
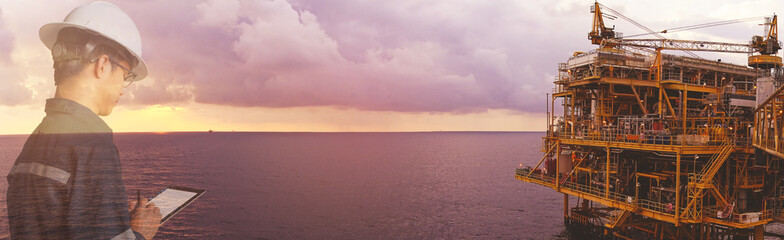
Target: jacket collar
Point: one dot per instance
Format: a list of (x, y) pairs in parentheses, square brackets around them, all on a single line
[(67, 106)]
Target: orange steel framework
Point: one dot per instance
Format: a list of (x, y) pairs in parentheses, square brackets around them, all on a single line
[(658, 146)]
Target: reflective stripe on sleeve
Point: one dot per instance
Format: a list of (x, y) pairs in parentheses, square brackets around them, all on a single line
[(49, 172), (128, 234)]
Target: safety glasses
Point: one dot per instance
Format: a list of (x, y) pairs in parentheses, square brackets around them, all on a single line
[(128, 76)]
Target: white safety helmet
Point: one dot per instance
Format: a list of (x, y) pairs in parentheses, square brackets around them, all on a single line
[(107, 20)]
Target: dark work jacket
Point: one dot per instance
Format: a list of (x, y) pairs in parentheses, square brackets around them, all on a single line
[(67, 181)]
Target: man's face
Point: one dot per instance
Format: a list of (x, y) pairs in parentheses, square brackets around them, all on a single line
[(111, 88)]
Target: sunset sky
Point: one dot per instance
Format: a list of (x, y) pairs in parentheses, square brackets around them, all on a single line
[(344, 65)]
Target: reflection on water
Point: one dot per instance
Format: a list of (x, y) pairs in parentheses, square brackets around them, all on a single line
[(338, 185)]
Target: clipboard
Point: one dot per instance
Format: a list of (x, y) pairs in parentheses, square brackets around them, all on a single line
[(173, 199)]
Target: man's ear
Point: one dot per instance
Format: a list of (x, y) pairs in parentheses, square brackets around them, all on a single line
[(103, 67)]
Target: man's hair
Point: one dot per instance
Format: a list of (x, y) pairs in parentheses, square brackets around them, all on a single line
[(76, 48)]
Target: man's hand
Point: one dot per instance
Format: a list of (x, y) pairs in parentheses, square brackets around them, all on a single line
[(145, 219)]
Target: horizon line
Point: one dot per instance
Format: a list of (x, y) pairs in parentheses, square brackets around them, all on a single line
[(214, 131)]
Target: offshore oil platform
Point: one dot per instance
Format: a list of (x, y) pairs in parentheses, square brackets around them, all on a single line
[(661, 146)]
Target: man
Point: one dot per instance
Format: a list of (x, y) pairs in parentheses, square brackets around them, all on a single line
[(66, 182)]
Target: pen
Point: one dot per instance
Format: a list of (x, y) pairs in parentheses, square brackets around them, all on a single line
[(138, 198)]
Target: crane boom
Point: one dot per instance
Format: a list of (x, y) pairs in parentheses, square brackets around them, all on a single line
[(767, 46), (688, 45), (635, 23)]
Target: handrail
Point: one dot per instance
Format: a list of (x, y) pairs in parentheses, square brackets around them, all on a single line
[(770, 98), (697, 131), (720, 194), (718, 159), (658, 207), (711, 212), (619, 220), (544, 157)]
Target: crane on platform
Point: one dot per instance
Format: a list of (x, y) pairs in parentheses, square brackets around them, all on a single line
[(767, 46), (600, 32)]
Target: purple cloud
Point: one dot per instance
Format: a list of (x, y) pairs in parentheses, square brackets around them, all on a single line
[(382, 56)]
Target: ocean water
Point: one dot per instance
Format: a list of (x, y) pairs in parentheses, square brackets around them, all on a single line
[(438, 185)]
